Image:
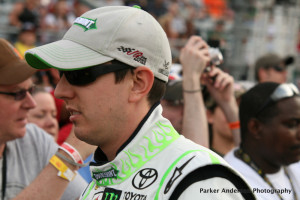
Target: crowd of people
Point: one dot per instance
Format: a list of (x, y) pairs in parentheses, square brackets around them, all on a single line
[(118, 110), (40, 22)]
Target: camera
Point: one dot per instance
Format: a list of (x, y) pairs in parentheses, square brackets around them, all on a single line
[(216, 57)]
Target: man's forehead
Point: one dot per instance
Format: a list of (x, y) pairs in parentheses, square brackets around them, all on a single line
[(22, 85)]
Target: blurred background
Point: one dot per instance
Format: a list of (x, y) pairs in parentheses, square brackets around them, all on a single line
[(242, 30)]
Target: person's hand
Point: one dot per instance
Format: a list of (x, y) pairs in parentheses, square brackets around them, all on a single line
[(220, 85), (194, 57)]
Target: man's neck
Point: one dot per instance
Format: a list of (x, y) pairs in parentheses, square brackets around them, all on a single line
[(267, 166), (221, 145)]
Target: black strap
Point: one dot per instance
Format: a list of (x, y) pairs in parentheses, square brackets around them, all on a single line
[(212, 171), (4, 173)]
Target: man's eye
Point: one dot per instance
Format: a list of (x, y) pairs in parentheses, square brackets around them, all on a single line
[(292, 123)]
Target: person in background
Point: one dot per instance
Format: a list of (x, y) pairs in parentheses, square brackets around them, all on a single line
[(269, 154), (27, 38), (185, 109), (25, 11), (113, 94), (60, 19), (44, 114), (272, 68), (220, 132), (31, 166)]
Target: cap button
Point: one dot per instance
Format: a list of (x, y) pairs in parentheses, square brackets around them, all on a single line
[(136, 6)]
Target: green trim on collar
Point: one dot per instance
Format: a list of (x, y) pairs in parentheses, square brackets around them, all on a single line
[(133, 159)]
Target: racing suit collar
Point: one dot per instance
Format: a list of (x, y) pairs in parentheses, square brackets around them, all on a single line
[(101, 158)]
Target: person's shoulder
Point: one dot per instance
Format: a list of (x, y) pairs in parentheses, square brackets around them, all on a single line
[(184, 145), (36, 134), (233, 160), (294, 168), (230, 155), (213, 179)]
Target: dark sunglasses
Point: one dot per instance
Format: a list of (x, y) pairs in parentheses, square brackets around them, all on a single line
[(88, 75), (20, 95), (284, 90), (279, 68)]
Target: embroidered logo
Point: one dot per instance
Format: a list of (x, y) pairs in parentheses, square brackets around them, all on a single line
[(136, 54), (176, 174), (164, 71), (111, 173), (111, 194), (166, 64), (85, 23), (144, 178)]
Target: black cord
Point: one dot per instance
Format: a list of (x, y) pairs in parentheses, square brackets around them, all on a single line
[(4, 173)]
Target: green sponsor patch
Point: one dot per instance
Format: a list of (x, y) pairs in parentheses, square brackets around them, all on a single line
[(85, 23)]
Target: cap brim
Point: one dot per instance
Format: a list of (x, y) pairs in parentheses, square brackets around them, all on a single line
[(64, 55), (16, 73)]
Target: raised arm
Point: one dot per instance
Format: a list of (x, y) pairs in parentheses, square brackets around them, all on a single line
[(194, 57), (221, 87)]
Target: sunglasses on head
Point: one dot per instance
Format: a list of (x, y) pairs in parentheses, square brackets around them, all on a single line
[(88, 75), (283, 91), (20, 95)]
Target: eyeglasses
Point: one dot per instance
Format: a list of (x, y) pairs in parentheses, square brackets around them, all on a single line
[(284, 90), (88, 75), (19, 95)]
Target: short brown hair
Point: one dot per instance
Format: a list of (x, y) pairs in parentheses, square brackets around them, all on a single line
[(157, 91)]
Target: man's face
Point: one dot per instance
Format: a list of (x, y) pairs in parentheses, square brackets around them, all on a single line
[(273, 75), (98, 110), (174, 113), (13, 113), (280, 139), (220, 125)]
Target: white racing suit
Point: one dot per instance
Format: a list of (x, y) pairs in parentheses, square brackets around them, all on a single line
[(156, 163)]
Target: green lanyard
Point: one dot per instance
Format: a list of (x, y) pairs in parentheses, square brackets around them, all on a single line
[(246, 158)]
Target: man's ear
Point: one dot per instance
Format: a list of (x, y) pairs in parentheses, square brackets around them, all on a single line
[(254, 128), (143, 79)]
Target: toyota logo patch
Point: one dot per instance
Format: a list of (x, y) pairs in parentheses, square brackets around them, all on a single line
[(144, 178)]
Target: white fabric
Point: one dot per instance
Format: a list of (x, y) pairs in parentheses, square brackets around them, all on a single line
[(211, 189), (124, 33), (260, 188), (281, 181), (157, 156)]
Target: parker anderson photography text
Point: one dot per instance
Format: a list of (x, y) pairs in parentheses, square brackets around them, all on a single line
[(254, 190)]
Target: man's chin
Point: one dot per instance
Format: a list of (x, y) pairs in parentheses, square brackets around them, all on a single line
[(18, 134)]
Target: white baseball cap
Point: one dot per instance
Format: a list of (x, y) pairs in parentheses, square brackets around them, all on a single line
[(127, 34)]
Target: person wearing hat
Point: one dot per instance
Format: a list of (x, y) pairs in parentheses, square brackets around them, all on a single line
[(269, 154), (25, 149), (114, 64), (27, 38), (272, 68)]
